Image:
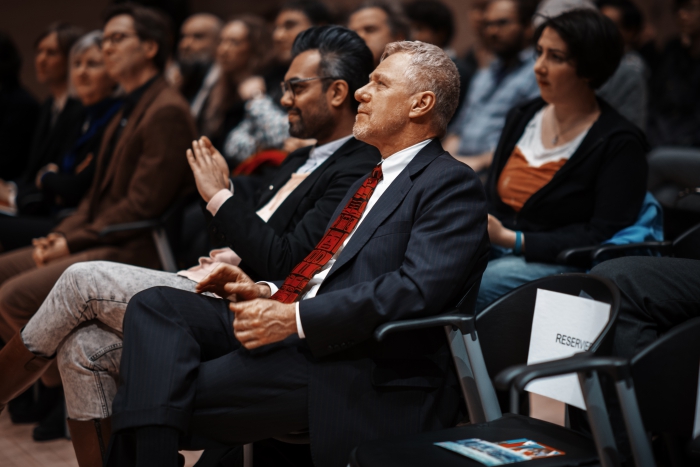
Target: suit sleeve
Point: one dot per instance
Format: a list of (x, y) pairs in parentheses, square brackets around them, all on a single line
[(447, 238), (619, 193), (270, 255), (157, 181)]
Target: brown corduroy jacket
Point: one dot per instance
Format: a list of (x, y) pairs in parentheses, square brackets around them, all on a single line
[(147, 172)]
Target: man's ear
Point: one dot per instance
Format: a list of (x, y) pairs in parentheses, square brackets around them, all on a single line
[(150, 48), (337, 93), (421, 104)]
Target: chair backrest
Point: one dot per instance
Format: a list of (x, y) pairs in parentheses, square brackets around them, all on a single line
[(687, 245), (666, 380), (504, 327)]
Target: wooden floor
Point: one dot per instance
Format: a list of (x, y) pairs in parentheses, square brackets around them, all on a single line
[(17, 449)]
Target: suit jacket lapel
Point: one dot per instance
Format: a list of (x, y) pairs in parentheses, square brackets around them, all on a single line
[(286, 210), (387, 204), (290, 165), (134, 119)]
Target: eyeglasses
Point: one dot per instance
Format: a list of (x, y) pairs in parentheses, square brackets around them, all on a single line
[(291, 85), (116, 38), (499, 23)]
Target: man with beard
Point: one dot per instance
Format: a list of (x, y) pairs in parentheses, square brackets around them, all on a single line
[(269, 237), (405, 242), (195, 57), (507, 82)]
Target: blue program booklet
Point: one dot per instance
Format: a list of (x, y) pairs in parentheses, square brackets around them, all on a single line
[(501, 453)]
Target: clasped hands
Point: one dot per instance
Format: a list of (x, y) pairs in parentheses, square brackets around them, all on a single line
[(259, 320), (49, 248)]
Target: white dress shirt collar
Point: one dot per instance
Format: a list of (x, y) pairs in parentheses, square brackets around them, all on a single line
[(319, 154), (394, 164)]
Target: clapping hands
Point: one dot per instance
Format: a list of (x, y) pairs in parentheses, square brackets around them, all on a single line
[(209, 167)]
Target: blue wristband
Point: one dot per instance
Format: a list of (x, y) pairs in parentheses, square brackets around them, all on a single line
[(517, 249)]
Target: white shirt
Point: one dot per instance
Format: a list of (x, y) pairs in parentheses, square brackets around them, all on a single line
[(392, 166), (531, 147)]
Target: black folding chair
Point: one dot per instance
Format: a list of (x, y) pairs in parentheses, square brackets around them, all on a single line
[(498, 338), (657, 389), (686, 245), (165, 231)]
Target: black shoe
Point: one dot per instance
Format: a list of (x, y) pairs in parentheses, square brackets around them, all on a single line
[(53, 426), (24, 409)]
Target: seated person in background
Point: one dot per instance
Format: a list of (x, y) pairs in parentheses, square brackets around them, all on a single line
[(432, 22), (19, 112), (674, 110), (626, 90), (241, 54), (506, 83), (197, 71), (140, 172), (379, 22), (569, 171), (265, 123), (64, 183), (60, 120), (288, 219), (405, 242)]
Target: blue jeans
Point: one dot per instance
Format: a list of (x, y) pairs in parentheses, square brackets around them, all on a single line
[(506, 272)]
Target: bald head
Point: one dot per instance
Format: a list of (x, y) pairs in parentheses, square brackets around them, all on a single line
[(200, 36)]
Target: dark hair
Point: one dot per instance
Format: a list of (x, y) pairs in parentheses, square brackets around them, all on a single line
[(435, 15), (594, 42), (10, 61), (344, 55), (396, 17), (150, 25), (258, 37), (632, 17), (66, 34), (681, 3), (316, 11)]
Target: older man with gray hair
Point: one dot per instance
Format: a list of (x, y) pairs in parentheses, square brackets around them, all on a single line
[(274, 358)]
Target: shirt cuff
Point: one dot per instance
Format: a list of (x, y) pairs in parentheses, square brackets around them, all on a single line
[(217, 200), (300, 330)]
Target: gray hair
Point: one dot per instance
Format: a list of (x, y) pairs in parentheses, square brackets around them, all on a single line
[(430, 69), (91, 39)]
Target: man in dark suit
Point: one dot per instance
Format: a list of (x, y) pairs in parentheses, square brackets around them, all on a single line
[(406, 242), (269, 237)]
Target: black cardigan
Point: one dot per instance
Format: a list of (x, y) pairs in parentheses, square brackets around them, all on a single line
[(596, 193)]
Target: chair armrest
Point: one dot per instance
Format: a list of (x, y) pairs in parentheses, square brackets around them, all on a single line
[(464, 323), (663, 248), (131, 227), (521, 375), (580, 256)]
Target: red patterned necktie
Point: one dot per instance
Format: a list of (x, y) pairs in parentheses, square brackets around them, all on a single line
[(330, 243)]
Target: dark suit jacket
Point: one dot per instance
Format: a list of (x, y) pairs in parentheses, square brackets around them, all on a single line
[(270, 250), (414, 254), (146, 173), (19, 112)]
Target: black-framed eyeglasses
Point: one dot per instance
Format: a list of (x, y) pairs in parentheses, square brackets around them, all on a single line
[(116, 38), (291, 84)]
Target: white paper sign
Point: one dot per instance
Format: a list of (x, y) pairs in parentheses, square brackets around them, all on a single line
[(562, 326)]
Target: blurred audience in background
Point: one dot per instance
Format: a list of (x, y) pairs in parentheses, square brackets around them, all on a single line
[(432, 22), (60, 119), (140, 173), (62, 184), (626, 90), (507, 82), (18, 113), (379, 22), (197, 72)]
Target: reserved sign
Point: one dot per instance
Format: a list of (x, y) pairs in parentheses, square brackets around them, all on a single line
[(562, 326)]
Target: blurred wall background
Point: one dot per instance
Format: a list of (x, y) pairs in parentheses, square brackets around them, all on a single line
[(25, 19)]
